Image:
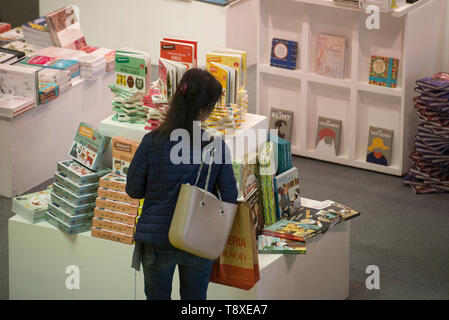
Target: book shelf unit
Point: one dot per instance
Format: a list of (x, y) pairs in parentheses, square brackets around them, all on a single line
[(413, 34)]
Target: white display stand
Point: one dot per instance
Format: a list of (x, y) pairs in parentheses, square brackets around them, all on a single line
[(412, 33), (141, 24), (136, 132), (32, 143), (39, 255)]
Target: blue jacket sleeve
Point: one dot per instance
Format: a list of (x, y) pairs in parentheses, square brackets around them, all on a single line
[(226, 179), (136, 178)]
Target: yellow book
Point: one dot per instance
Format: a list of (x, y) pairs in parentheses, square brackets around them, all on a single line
[(222, 75), (227, 59), (244, 62)]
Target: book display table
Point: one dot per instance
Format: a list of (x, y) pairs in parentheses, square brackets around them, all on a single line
[(32, 143), (41, 269)]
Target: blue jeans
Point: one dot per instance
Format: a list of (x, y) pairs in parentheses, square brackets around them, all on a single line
[(159, 262)]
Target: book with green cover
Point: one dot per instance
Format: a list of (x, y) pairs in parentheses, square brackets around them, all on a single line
[(79, 189), (73, 198), (67, 218), (68, 206), (33, 206), (79, 173), (61, 225), (132, 70)]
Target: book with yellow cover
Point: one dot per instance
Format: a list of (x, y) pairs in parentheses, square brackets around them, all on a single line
[(243, 66), (228, 59)]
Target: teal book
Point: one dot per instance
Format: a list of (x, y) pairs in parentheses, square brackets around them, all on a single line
[(79, 174), (78, 189), (61, 225), (69, 207), (32, 207), (276, 245), (88, 146), (74, 199), (67, 218)]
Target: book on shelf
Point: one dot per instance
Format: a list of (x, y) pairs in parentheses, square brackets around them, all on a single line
[(36, 32), (10, 56), (231, 60), (328, 136), (284, 151), (19, 81), (287, 193), (384, 71), (189, 42), (228, 77), (27, 49), (170, 74), (65, 28), (284, 53), (123, 151), (33, 206), (132, 70), (275, 245), (12, 106), (88, 146), (243, 63), (282, 120), (380, 144), (330, 56)]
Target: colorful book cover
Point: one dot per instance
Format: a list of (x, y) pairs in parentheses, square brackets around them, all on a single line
[(66, 216), (78, 189), (245, 174), (114, 182), (227, 59), (65, 28), (384, 71), (38, 61), (328, 136), (74, 199), (330, 56), (79, 173), (380, 144), (284, 53), (122, 153), (185, 41), (68, 206), (39, 24), (88, 146), (64, 227), (282, 120), (132, 70), (19, 80), (293, 230), (244, 63), (344, 211), (254, 203), (268, 244), (222, 75), (287, 194), (32, 206), (4, 26), (438, 81), (179, 52)]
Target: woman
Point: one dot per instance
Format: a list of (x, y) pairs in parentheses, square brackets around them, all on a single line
[(153, 175)]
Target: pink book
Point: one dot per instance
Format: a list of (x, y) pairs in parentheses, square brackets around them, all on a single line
[(330, 56)]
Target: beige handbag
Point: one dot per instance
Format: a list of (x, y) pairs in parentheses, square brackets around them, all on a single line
[(201, 222)]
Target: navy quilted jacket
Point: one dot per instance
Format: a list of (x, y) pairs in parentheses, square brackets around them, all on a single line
[(153, 176)]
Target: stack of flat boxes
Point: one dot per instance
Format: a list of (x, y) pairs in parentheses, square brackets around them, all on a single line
[(73, 197)]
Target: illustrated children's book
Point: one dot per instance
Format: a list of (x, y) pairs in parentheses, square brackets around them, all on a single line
[(243, 65), (330, 56), (114, 182), (186, 43), (294, 230), (112, 235), (342, 210), (245, 172), (276, 245), (122, 153), (180, 52), (170, 74), (438, 81), (328, 136), (89, 146), (19, 80), (67, 217), (76, 200), (228, 59), (33, 206), (384, 71), (228, 77), (254, 203), (64, 227), (287, 194), (380, 142), (65, 28), (284, 53), (70, 207), (282, 120), (78, 189), (132, 70)]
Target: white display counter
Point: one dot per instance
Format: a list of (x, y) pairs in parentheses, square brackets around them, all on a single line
[(39, 255), (32, 143)]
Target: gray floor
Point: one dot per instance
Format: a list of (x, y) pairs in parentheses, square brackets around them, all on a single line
[(404, 234)]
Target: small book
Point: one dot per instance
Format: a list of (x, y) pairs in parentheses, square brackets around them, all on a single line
[(66, 217), (33, 206), (123, 151), (76, 200), (180, 52), (232, 60), (132, 70), (193, 43), (383, 71), (245, 172), (380, 142), (344, 211), (18, 80), (330, 56), (287, 194), (88, 146), (284, 53), (65, 28), (438, 81), (293, 230), (244, 62), (79, 173), (64, 227), (79, 189), (12, 106), (328, 136), (282, 120), (275, 245), (70, 207)]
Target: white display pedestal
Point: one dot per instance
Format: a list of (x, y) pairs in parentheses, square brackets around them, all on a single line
[(136, 132), (32, 143), (39, 255)]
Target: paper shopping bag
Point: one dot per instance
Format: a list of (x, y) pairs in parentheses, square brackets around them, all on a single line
[(238, 266)]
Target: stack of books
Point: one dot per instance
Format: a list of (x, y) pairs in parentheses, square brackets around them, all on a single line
[(48, 91), (92, 67), (267, 171), (116, 213), (11, 106), (61, 53), (291, 234), (27, 49), (36, 33), (157, 108), (108, 55), (284, 152), (32, 207), (430, 169), (73, 66), (128, 106), (15, 34), (77, 181), (10, 56), (4, 26), (60, 77)]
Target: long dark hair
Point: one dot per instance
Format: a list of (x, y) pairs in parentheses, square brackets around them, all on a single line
[(196, 95)]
